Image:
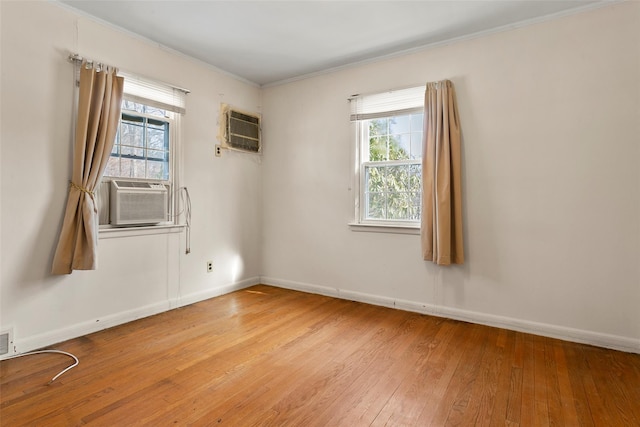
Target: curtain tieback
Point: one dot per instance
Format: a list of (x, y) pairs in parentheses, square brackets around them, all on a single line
[(84, 190)]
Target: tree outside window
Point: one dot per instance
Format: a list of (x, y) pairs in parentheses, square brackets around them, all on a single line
[(391, 168), (142, 146)]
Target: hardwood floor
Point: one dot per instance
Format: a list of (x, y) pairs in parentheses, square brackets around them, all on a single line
[(272, 357)]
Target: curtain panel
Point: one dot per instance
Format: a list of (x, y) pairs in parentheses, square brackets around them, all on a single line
[(441, 219), (99, 104)]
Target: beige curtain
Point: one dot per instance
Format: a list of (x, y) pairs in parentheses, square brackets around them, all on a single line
[(441, 228), (97, 122)]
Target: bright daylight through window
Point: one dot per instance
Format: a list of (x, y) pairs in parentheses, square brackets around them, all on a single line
[(389, 138)]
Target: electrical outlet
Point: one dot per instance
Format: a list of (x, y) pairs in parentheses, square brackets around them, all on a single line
[(209, 266), (218, 150)]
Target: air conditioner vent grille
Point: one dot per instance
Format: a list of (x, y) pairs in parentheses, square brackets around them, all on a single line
[(242, 130), (133, 184), (246, 144), (138, 203), (241, 117), (139, 206)]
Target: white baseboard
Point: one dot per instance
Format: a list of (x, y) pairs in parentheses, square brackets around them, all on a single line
[(569, 334), (35, 342), (614, 342), (215, 292)]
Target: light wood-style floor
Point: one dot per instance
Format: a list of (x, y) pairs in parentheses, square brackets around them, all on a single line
[(268, 356)]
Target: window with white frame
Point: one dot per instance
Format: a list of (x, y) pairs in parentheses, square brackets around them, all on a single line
[(389, 128), (142, 148), (147, 142)]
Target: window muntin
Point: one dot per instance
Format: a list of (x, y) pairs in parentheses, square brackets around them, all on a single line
[(391, 169), (142, 148)]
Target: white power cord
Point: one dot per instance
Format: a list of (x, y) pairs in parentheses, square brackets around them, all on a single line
[(50, 351), (186, 202)]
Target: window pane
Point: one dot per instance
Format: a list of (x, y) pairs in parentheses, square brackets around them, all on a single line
[(399, 147), (126, 168), (142, 144), (132, 106), (139, 168), (392, 191), (414, 206), (376, 206), (378, 149), (156, 138), (378, 127), (416, 145), (416, 122), (398, 206), (156, 170), (132, 134), (415, 178), (153, 111), (375, 178), (397, 178), (113, 167), (400, 124)]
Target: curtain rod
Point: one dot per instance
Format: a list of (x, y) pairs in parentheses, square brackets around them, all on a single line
[(74, 57), (77, 58)]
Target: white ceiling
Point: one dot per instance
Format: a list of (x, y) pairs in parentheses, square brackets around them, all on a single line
[(271, 41)]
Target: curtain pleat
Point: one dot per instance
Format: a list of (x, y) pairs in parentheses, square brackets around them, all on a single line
[(441, 219), (99, 104)]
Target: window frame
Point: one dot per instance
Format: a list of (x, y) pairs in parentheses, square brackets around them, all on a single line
[(360, 138), (170, 119), (172, 182)]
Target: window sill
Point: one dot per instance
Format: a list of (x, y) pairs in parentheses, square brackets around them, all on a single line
[(385, 228), (109, 232)]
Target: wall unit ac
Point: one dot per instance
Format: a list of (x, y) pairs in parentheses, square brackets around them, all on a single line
[(239, 130), (138, 202)]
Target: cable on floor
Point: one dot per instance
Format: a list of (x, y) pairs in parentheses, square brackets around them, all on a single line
[(75, 363)]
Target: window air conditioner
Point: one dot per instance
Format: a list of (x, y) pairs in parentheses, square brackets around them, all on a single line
[(239, 130), (138, 203)]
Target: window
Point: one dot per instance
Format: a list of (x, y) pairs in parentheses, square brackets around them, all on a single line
[(142, 146), (389, 129), (147, 141)]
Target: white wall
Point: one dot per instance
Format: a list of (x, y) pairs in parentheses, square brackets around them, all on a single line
[(137, 275), (552, 189), (551, 134)]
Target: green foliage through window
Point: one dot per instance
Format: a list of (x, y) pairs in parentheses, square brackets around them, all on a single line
[(392, 168)]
